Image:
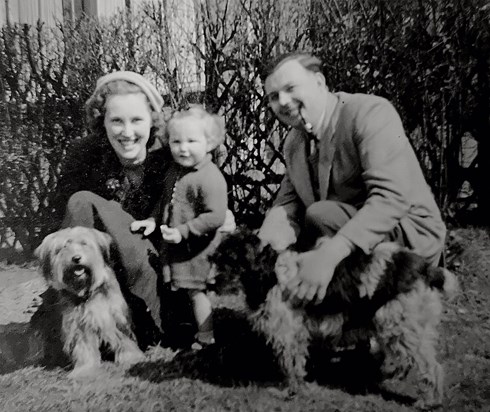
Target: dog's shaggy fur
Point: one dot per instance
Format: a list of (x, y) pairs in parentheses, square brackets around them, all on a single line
[(392, 295), (75, 263)]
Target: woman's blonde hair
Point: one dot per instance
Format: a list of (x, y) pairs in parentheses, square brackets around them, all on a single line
[(95, 109), (213, 124)]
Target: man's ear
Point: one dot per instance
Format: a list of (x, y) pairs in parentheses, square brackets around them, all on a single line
[(320, 78)]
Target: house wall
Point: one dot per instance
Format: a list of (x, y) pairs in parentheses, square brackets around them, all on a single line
[(30, 11), (106, 8), (180, 15), (3, 13), (51, 11)]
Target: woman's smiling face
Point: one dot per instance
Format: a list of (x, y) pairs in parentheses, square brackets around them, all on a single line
[(128, 122)]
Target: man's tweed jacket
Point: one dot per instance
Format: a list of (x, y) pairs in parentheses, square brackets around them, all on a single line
[(365, 160)]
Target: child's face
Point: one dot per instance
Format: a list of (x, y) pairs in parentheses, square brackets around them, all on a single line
[(128, 123), (188, 142)]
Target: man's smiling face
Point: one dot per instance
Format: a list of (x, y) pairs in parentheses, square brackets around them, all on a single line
[(294, 92)]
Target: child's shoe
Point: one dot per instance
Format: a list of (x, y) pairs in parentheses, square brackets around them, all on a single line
[(203, 340)]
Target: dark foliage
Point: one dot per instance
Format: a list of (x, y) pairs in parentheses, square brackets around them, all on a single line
[(431, 59)]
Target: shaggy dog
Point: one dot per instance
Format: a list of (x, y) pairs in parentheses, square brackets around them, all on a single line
[(75, 263), (392, 295)]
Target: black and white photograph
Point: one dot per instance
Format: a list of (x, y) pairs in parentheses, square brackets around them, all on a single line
[(244, 205)]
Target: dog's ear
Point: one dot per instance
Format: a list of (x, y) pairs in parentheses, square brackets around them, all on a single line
[(43, 253), (237, 250), (104, 240)]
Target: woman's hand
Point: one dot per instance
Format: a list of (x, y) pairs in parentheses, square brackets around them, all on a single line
[(149, 226), (230, 224), (171, 234)]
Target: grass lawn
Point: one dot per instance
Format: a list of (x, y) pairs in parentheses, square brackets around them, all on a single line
[(239, 373)]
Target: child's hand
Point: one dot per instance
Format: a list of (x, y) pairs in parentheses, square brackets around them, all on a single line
[(148, 224), (171, 234)]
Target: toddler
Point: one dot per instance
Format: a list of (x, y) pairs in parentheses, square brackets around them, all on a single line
[(192, 207)]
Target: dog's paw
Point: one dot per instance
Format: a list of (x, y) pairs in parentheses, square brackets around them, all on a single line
[(286, 393), (424, 405), (130, 357), (281, 393), (85, 371)]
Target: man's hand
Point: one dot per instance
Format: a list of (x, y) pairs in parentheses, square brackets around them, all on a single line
[(316, 269), (149, 226), (314, 275), (229, 225), (277, 230), (171, 234)]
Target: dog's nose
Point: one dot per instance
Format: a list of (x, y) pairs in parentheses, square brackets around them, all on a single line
[(76, 259)]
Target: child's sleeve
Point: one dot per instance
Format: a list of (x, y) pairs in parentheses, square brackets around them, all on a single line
[(157, 212), (212, 192)]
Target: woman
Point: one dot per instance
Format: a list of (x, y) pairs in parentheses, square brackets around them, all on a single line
[(112, 178)]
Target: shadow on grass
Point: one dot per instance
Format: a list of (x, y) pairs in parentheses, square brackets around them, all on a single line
[(34, 343), (20, 346), (240, 357)]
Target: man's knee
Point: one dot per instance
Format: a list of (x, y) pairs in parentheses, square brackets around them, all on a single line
[(321, 213), (328, 216), (318, 212)]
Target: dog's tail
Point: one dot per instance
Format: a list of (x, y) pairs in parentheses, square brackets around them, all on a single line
[(443, 280)]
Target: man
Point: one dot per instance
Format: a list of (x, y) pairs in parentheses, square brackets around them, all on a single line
[(351, 176)]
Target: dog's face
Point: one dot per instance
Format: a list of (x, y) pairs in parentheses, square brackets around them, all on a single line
[(241, 256), (74, 259), (237, 253)]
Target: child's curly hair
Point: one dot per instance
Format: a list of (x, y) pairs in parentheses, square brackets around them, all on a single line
[(213, 124), (95, 109)]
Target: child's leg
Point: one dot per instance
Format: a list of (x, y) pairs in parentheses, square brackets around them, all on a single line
[(203, 313)]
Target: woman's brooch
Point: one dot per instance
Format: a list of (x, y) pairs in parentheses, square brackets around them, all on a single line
[(114, 188)]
